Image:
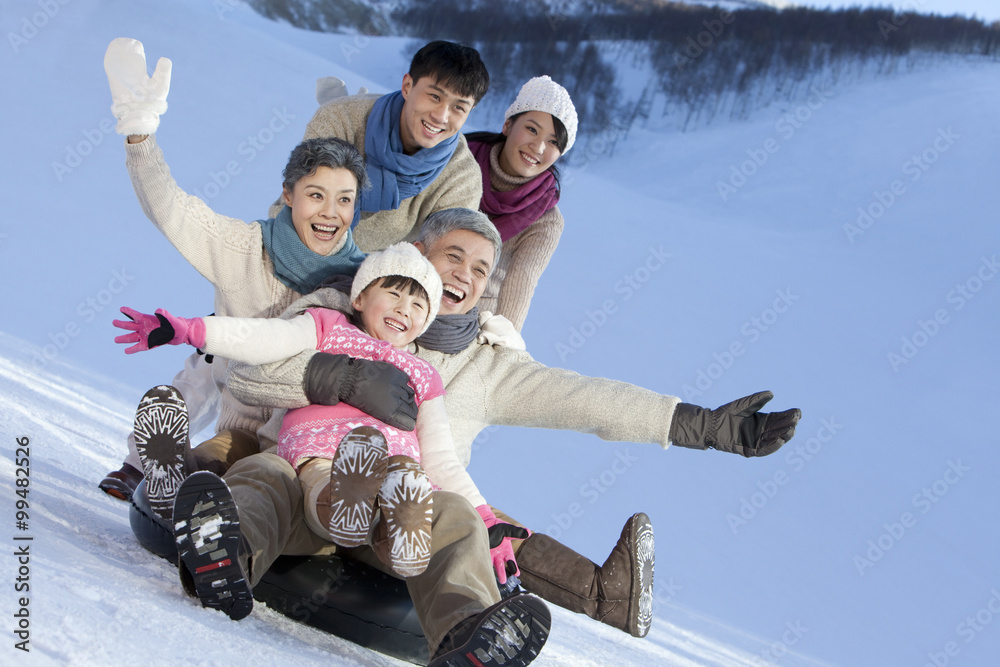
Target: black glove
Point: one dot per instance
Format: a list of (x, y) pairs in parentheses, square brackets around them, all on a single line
[(377, 388), (736, 427)]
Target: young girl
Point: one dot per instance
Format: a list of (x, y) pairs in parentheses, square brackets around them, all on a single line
[(521, 188), (349, 463)]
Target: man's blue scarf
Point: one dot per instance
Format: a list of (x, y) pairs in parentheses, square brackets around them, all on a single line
[(396, 176), (297, 266)]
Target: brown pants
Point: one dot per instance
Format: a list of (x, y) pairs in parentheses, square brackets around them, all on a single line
[(219, 453), (458, 582)]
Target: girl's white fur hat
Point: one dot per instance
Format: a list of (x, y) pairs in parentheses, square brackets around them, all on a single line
[(401, 259), (543, 94)]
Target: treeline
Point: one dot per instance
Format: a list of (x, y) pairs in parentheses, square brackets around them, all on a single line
[(696, 63), (853, 31)]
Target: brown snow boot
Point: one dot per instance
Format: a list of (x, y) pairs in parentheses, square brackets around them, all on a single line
[(618, 593)]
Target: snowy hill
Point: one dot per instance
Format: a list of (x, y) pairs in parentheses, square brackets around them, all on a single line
[(839, 250)]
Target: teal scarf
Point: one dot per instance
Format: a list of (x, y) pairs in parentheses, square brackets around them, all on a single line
[(396, 176), (297, 266)]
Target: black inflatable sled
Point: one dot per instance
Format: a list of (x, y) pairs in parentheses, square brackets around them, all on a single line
[(337, 595)]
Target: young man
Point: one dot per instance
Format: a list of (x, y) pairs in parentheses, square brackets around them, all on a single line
[(417, 161), (495, 384)]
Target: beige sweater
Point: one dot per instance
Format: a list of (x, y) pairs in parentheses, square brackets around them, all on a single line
[(486, 385), (228, 252), (523, 258), (459, 185)]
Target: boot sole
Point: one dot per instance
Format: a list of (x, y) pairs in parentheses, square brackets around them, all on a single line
[(511, 634), (407, 512), (356, 474), (643, 558), (207, 533), (161, 438)]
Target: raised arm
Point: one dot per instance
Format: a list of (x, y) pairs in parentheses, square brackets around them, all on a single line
[(201, 235)]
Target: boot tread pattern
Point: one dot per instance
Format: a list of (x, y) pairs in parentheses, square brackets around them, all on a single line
[(356, 474), (207, 533), (161, 439)]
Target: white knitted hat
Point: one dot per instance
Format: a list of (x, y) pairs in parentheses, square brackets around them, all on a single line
[(543, 94), (401, 259)]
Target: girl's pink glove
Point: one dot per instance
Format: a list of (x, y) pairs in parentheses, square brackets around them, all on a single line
[(501, 551), (149, 331)]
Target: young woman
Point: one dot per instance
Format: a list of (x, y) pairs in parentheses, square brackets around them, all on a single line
[(521, 188)]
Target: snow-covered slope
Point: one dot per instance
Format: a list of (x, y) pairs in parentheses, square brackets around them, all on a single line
[(708, 264)]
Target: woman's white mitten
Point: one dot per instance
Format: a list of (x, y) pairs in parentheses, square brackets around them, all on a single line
[(137, 99)]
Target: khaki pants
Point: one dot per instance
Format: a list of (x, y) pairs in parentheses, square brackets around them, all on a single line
[(458, 583), (219, 453)]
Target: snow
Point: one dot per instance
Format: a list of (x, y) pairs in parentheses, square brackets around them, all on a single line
[(869, 539)]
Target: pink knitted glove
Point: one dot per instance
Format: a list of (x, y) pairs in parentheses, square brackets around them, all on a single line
[(149, 331), (501, 551)]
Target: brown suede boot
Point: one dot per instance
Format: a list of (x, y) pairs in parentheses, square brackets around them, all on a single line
[(618, 593)]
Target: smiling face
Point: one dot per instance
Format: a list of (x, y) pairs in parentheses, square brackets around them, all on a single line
[(322, 206), (531, 146), (431, 113), (464, 260), (392, 314)]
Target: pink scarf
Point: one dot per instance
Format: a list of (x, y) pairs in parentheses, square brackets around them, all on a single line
[(514, 211)]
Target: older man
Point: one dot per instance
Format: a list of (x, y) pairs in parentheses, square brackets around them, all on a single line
[(489, 383)]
